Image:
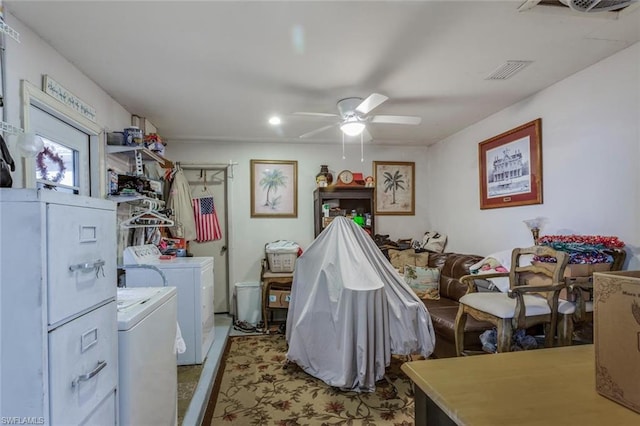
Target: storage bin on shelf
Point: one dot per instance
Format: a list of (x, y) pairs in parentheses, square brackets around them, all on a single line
[(282, 255)]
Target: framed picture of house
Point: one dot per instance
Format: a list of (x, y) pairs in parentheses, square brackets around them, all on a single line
[(395, 187), (274, 188), (511, 167)]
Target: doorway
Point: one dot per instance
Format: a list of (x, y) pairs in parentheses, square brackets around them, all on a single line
[(205, 182)]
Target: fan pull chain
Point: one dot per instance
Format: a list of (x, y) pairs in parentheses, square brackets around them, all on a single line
[(361, 148), (343, 157)]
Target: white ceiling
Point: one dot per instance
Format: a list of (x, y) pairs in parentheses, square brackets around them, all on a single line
[(216, 70)]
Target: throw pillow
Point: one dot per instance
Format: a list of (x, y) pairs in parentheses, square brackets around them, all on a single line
[(400, 258), (434, 241), (421, 259), (425, 282)]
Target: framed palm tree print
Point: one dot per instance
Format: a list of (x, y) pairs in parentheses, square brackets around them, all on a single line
[(395, 187), (274, 188)]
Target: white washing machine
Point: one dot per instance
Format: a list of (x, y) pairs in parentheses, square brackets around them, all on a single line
[(147, 371), (193, 278)]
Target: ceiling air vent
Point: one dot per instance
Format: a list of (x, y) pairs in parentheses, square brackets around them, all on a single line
[(596, 5), (507, 70), (582, 6)]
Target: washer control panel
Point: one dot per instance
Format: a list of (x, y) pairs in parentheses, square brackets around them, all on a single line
[(139, 255)]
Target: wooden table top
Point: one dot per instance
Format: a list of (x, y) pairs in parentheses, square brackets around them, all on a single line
[(537, 387), (269, 274)]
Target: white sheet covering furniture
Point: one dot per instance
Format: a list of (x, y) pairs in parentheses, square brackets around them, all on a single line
[(350, 310)]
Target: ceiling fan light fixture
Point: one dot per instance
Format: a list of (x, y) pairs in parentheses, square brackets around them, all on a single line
[(275, 120), (352, 127)]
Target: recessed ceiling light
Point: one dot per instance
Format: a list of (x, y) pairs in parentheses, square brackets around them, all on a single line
[(275, 120)]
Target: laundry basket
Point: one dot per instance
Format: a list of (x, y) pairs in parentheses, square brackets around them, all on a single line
[(282, 255), (248, 302)]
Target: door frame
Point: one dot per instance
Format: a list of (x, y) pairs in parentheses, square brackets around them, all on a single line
[(33, 96), (227, 230)]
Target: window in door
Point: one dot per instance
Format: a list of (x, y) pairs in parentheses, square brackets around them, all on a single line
[(73, 156), (57, 166), (63, 163)]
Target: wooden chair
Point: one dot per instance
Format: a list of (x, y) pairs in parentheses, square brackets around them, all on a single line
[(532, 298), (580, 309)]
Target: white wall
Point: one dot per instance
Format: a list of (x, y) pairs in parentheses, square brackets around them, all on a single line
[(590, 138), (33, 57), (249, 235), (30, 60), (590, 150)]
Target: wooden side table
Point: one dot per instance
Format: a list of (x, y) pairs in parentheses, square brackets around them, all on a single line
[(280, 280)]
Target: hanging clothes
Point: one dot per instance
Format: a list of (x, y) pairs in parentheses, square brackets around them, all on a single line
[(206, 218), (179, 202)]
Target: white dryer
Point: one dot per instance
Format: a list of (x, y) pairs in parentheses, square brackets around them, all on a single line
[(148, 375), (193, 278)]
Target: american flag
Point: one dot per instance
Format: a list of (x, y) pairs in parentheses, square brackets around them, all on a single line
[(207, 225)]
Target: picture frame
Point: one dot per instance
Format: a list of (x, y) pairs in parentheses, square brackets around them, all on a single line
[(394, 187), (274, 188), (510, 167)]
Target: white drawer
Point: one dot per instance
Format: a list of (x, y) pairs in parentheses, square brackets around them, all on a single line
[(79, 241), (83, 370), (105, 414)]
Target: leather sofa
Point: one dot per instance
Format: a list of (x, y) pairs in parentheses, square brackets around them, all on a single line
[(443, 312)]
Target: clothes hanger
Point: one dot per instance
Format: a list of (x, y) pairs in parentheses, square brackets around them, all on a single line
[(204, 191), (152, 217)]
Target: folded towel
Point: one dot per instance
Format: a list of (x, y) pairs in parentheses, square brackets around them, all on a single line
[(498, 262)]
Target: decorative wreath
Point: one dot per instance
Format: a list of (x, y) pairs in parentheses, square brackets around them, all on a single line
[(47, 153)]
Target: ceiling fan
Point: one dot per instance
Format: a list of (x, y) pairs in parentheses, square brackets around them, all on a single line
[(352, 116)]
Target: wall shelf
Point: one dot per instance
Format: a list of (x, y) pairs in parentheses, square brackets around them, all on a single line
[(140, 153), (136, 198), (9, 31), (10, 128)]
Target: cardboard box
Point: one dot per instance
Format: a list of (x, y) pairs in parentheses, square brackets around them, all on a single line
[(571, 271), (578, 269), (581, 270), (279, 298), (617, 336)]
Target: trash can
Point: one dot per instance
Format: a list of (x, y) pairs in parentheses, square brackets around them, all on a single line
[(248, 302)]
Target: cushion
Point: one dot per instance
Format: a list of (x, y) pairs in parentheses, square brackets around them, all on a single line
[(423, 281), (434, 241), (400, 258), (502, 306)]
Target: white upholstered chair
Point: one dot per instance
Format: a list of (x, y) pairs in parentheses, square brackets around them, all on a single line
[(532, 298)]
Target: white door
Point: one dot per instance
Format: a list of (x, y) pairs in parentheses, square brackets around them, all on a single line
[(64, 163), (213, 183)]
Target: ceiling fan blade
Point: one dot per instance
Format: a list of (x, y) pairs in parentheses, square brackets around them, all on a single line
[(370, 103), (316, 114), (396, 119), (316, 131)]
